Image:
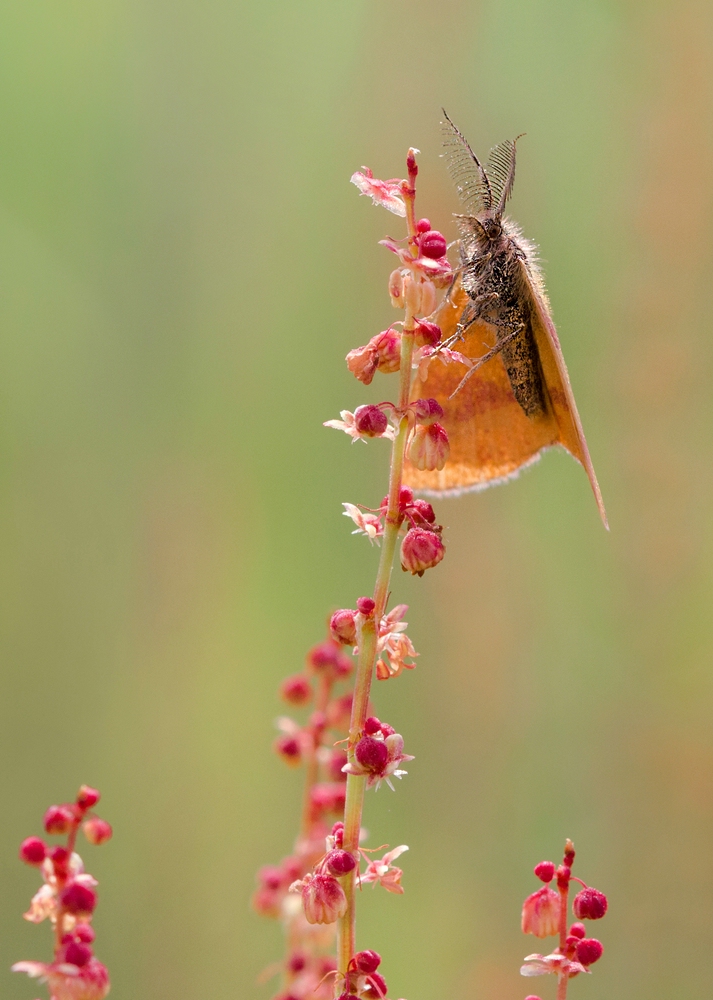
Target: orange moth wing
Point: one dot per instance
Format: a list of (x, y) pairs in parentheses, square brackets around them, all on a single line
[(491, 438)]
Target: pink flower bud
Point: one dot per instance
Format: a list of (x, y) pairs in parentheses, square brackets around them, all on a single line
[(59, 819), (288, 747), (87, 797), (33, 851), (329, 655), (396, 289), (425, 511), (296, 690), (578, 930), (366, 606), (427, 334), (342, 625), (405, 497), (429, 448), (76, 953), (370, 421), (296, 963), (545, 871), (532, 996), (367, 961), (372, 726), (432, 244), (323, 899), (78, 899), (589, 950), (372, 754), (84, 933), (338, 833), (427, 411), (423, 225), (97, 831), (386, 729), (59, 856), (541, 912), (340, 863), (420, 550), (376, 988), (589, 904)]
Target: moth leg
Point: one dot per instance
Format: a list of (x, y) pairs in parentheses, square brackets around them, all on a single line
[(488, 356), (476, 310)]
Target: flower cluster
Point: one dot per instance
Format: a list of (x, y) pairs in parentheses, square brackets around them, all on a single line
[(544, 914), (68, 899)]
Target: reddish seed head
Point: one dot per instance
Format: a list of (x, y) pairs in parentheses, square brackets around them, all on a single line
[(423, 225), (545, 871), (76, 953), (372, 726), (366, 605), (578, 931), (340, 862), (288, 747), (432, 244), (33, 851), (372, 754), (296, 690), (97, 831), (342, 625), (84, 933), (367, 961), (87, 797), (427, 334), (420, 550), (589, 904), (589, 950), (78, 899), (59, 819), (370, 421)]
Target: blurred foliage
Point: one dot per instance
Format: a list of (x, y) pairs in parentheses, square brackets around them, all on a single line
[(184, 266)]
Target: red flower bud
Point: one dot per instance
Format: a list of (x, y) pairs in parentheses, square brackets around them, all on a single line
[(59, 857), (432, 244), (76, 953), (589, 950), (329, 655), (59, 819), (589, 904), (545, 871), (532, 996), (78, 899), (296, 962), (423, 225), (97, 831), (296, 690), (427, 334), (366, 605), (323, 899), (289, 749), (340, 863), (424, 510), (33, 851), (578, 930), (342, 625), (85, 933), (420, 550), (372, 726), (427, 411), (87, 797), (367, 961), (372, 754), (370, 421)]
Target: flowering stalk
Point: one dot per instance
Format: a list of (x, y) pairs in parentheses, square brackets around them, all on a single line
[(544, 914), (68, 898), (314, 890)]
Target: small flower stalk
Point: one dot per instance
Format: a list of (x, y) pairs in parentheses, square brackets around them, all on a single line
[(68, 899), (545, 914), (342, 746)]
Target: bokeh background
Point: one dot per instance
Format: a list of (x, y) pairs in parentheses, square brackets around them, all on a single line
[(184, 266)]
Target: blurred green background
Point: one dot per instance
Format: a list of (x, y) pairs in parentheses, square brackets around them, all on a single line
[(184, 266)]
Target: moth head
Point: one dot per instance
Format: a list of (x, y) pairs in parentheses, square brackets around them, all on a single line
[(492, 229)]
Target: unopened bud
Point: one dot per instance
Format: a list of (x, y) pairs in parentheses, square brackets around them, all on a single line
[(288, 747), (421, 550), (372, 754), (427, 411), (340, 863), (545, 871), (578, 930), (59, 819), (589, 950), (97, 831), (430, 447), (366, 606), (87, 797), (367, 961), (589, 904), (76, 953), (78, 899), (33, 851), (433, 244), (342, 625), (424, 510), (296, 689), (370, 421), (423, 225), (427, 334)]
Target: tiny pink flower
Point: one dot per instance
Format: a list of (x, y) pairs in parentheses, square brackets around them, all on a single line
[(68, 981), (541, 965), (366, 524), (384, 872), (378, 758), (541, 913), (370, 421), (348, 424), (429, 448), (323, 898), (385, 193)]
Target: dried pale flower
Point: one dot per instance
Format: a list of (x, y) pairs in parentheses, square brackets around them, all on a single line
[(68, 981), (384, 872), (323, 898), (388, 194), (429, 448), (366, 523), (541, 912)]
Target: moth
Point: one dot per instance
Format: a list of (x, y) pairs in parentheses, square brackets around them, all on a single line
[(515, 398)]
